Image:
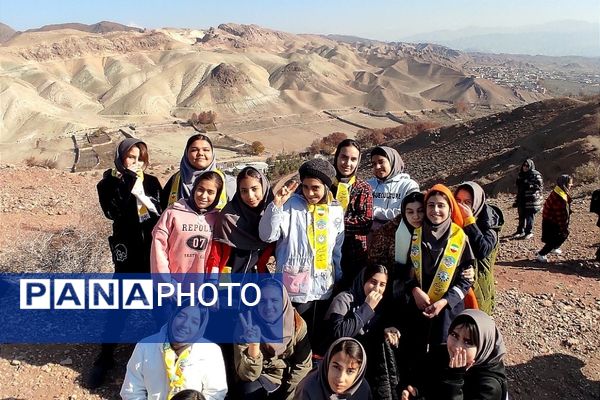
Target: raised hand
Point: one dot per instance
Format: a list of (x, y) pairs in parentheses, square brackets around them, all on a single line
[(459, 359), (465, 210), (373, 299), (251, 332), (284, 193)]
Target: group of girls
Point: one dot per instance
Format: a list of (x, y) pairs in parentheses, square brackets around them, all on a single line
[(322, 231)]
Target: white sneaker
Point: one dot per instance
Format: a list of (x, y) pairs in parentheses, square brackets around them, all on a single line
[(518, 235), (541, 258), (556, 251), (528, 236)]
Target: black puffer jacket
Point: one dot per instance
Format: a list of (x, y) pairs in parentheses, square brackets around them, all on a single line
[(477, 383), (530, 185), (131, 239)]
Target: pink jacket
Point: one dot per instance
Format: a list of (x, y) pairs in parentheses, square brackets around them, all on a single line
[(181, 240)]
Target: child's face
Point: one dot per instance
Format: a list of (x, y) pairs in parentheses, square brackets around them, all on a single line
[(185, 325), (132, 158), (270, 306), (459, 338), (381, 166), (313, 190), (464, 197), (200, 154), (438, 209), (347, 160), (205, 194), (414, 214), (377, 283), (342, 372), (525, 167), (251, 191)]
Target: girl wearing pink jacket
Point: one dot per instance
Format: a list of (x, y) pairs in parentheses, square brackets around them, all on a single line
[(182, 236)]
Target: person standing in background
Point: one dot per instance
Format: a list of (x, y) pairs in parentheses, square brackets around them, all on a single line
[(530, 185)]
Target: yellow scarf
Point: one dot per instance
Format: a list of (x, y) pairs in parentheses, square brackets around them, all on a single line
[(174, 367), (142, 210), (563, 195), (447, 266), (317, 232), (175, 188), (343, 191)]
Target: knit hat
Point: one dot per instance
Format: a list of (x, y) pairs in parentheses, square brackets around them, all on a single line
[(318, 168)]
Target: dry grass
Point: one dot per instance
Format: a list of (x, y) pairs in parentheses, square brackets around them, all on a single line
[(588, 174), (78, 248)]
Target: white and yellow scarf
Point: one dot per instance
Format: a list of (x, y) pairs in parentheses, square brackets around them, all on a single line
[(174, 367), (343, 191), (447, 265), (142, 209), (317, 232)]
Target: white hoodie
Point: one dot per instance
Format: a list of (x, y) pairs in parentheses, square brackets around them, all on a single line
[(146, 377), (388, 196)]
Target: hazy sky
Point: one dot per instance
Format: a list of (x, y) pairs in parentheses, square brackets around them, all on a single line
[(380, 19)]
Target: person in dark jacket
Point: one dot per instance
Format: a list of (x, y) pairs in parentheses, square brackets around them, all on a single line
[(529, 198), (356, 198), (131, 199), (341, 374), (556, 217), (439, 253), (469, 367), (357, 313), (482, 224)]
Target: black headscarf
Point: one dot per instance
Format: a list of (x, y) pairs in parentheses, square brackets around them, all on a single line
[(340, 146)]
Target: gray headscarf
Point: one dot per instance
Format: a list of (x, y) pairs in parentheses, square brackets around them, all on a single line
[(324, 368), (477, 193), (393, 157), (491, 347), (122, 149)]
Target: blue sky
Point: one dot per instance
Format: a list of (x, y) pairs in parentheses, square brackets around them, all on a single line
[(380, 19)]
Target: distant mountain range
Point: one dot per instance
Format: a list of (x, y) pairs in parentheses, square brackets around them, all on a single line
[(560, 38), (6, 32)]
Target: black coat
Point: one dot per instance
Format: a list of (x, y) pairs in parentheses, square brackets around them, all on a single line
[(529, 191), (131, 239), (486, 382)]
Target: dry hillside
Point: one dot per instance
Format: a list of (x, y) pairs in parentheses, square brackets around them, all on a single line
[(560, 135)]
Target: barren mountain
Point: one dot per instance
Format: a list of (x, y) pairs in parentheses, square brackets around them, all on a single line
[(59, 80), (6, 32), (100, 27)]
